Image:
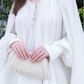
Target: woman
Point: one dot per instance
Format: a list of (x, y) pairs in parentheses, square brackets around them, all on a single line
[(46, 28)]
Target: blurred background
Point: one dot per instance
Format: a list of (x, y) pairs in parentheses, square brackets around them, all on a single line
[(5, 6)]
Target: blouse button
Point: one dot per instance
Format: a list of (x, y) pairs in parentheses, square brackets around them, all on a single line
[(36, 7), (32, 26), (34, 16), (34, 13)]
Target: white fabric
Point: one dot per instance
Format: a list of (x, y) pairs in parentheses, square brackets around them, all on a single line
[(58, 28)]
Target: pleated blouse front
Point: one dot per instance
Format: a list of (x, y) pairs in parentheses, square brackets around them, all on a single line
[(25, 23)]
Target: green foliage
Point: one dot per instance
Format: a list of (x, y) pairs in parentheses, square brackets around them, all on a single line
[(4, 13), (3, 31), (81, 13), (7, 4), (79, 3)]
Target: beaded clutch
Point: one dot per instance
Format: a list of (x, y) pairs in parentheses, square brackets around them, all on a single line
[(26, 67)]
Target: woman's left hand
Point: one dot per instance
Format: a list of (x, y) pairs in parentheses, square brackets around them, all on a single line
[(38, 54)]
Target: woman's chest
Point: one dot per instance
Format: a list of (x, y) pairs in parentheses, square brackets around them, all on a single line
[(48, 13)]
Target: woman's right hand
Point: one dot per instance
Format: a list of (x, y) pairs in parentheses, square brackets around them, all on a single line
[(20, 49)]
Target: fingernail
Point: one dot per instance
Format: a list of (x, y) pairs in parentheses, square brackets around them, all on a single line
[(20, 57), (32, 61), (37, 61), (25, 57), (28, 55)]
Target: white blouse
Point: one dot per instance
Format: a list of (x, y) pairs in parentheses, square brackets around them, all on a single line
[(25, 29), (28, 15)]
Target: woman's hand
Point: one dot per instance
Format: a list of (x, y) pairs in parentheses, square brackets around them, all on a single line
[(39, 54), (20, 49)]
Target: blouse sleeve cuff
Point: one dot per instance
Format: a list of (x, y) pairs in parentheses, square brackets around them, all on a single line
[(60, 48), (54, 51), (13, 40)]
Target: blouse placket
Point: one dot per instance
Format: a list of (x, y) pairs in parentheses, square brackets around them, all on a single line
[(34, 16)]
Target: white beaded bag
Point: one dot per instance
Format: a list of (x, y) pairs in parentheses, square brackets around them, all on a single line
[(26, 67)]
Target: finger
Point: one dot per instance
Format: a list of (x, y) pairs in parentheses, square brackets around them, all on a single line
[(16, 51), (26, 50), (41, 58), (20, 52), (38, 56), (35, 54), (34, 51), (23, 52)]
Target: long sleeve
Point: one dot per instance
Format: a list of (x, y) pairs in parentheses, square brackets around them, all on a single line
[(55, 50), (60, 48), (14, 38), (10, 29), (9, 37)]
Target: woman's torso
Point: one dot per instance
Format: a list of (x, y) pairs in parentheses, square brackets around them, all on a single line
[(24, 21), (44, 32)]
